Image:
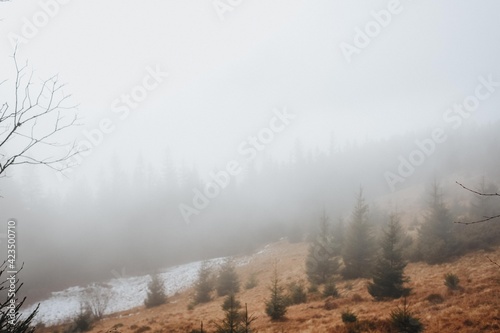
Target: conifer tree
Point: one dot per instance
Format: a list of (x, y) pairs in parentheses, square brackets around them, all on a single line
[(436, 241), (276, 306), (156, 292), (359, 243), (227, 281), (247, 321), (232, 320), (230, 301), (388, 273), (204, 284), (10, 316), (321, 262)]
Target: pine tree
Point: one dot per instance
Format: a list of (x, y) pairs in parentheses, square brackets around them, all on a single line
[(359, 242), (10, 320), (276, 306), (296, 293), (232, 319), (247, 321), (388, 273), (230, 302), (321, 262), (204, 284), (156, 292), (403, 320), (227, 281), (436, 241)]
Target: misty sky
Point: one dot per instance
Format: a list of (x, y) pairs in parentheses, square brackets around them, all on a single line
[(345, 94), (225, 76)]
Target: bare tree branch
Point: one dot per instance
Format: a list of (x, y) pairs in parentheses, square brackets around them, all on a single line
[(40, 113), (485, 218), (479, 193)]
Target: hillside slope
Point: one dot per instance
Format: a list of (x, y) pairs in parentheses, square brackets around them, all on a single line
[(476, 308)]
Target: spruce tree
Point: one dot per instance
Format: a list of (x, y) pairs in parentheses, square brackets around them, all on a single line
[(296, 293), (232, 319), (388, 273), (276, 306), (359, 243), (246, 321), (436, 241), (230, 301), (156, 292), (227, 281), (321, 262), (10, 320), (204, 284)]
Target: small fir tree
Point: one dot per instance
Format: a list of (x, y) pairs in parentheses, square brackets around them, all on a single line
[(297, 293), (321, 261), (436, 242), (232, 319), (403, 320), (227, 281), (359, 243), (204, 284), (388, 273), (276, 306), (156, 292)]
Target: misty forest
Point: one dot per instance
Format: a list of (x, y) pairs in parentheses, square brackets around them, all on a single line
[(228, 166)]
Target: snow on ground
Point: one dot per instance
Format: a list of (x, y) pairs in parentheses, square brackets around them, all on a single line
[(126, 293)]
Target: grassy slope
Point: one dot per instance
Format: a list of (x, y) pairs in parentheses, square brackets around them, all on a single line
[(474, 309)]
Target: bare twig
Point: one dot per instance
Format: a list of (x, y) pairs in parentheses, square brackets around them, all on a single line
[(485, 218), (479, 193), (36, 117)]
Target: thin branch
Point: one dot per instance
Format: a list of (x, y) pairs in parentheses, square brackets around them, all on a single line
[(486, 219), (479, 193), (24, 126)]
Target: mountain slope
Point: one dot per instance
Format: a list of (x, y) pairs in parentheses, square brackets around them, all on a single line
[(476, 308)]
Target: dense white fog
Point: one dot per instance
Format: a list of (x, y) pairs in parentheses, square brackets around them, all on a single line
[(208, 128)]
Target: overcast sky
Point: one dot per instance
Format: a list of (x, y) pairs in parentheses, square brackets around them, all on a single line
[(227, 70)]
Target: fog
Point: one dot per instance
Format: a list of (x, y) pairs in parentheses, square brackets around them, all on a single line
[(208, 128)]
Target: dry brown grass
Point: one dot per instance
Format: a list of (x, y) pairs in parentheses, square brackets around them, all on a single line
[(476, 308)]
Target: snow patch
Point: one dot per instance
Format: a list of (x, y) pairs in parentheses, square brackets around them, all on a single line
[(126, 293)]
